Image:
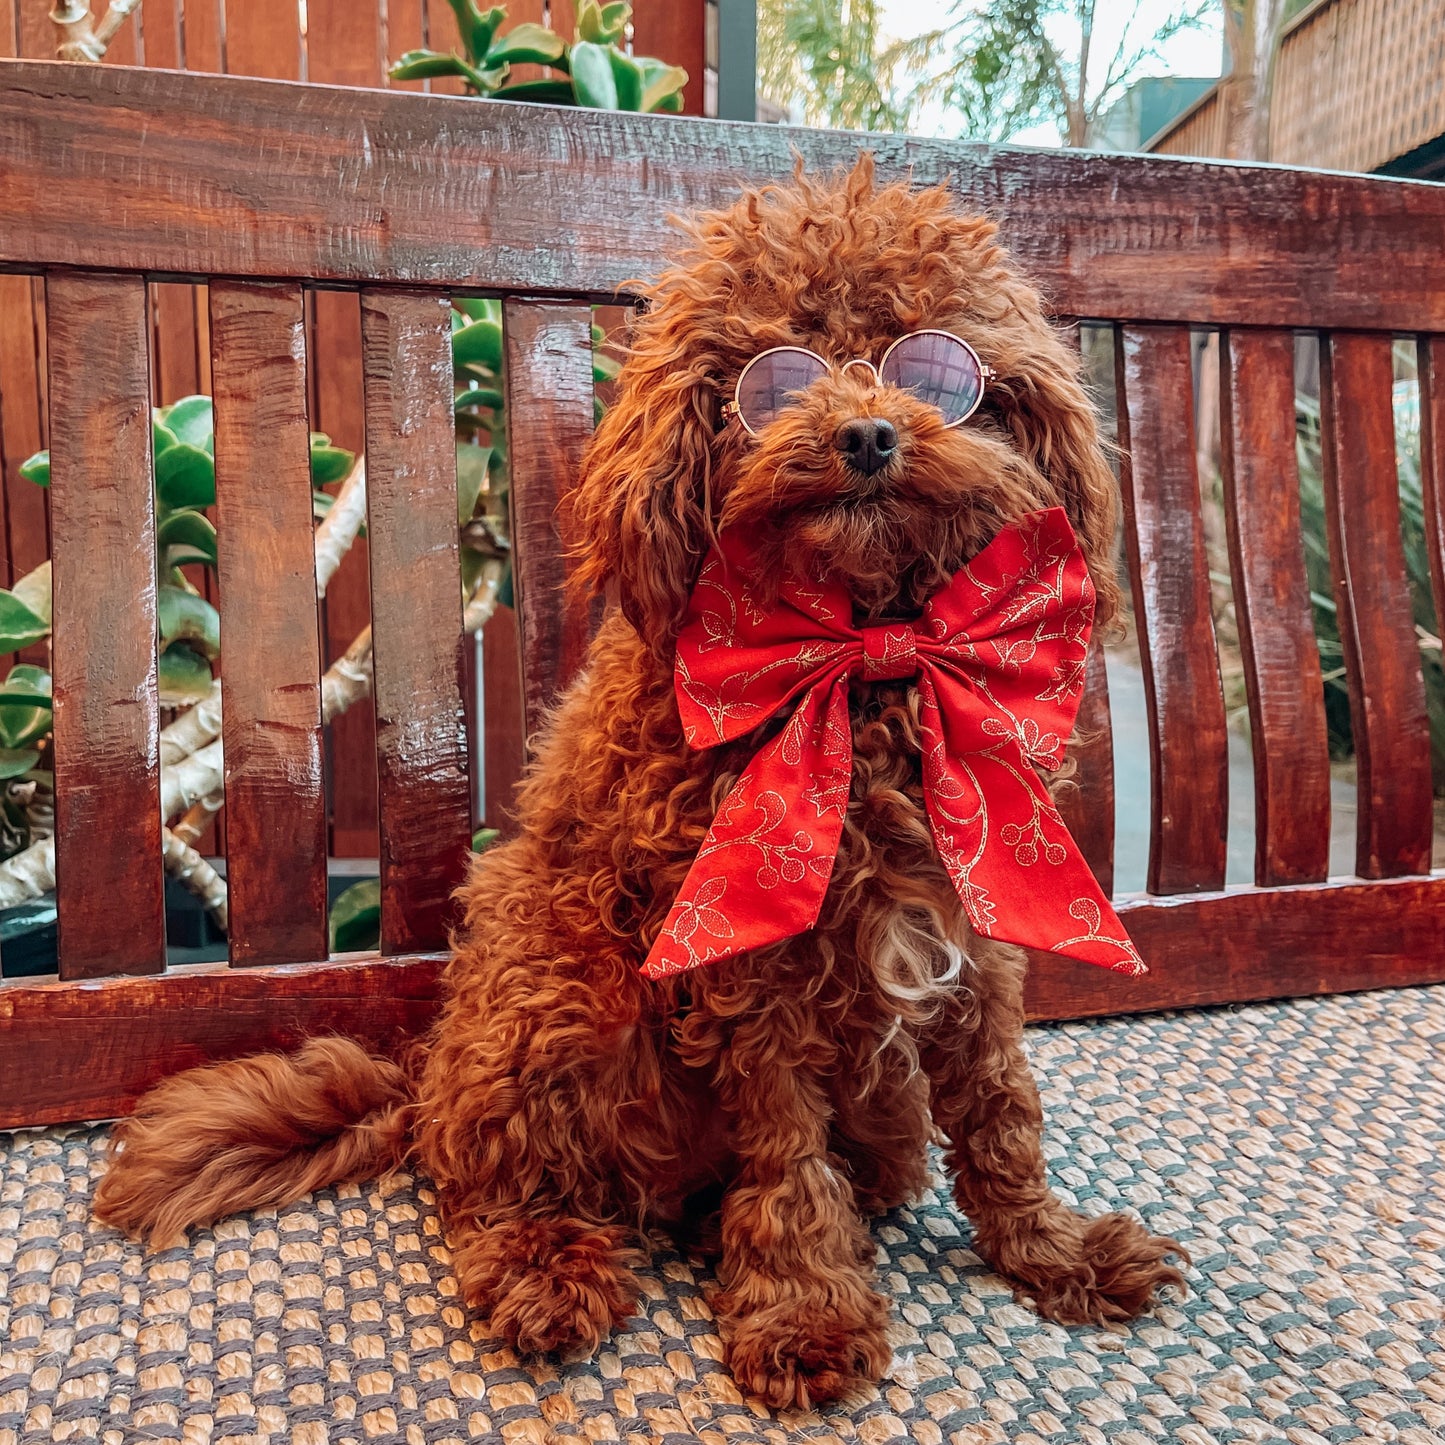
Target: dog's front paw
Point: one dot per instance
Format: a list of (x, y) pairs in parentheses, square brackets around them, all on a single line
[(1094, 1271), (548, 1284), (800, 1353)]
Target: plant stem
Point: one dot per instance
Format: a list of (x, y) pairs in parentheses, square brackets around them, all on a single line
[(187, 867), (340, 525)]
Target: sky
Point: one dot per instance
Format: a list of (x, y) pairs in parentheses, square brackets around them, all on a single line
[(1195, 52)]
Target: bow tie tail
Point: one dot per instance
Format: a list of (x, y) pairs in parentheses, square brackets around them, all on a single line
[(763, 869)]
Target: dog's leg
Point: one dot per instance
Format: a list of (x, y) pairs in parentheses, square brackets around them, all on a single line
[(984, 1099), (799, 1311)]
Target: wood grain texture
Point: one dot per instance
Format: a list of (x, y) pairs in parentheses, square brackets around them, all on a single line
[(1169, 571), (1088, 807), (674, 32), (107, 717), (504, 741), (1272, 605), (1372, 601), (422, 767), (173, 313), (22, 431), (549, 419), (263, 37), (1431, 353), (1257, 943), (71, 1053), (275, 810), (250, 177)]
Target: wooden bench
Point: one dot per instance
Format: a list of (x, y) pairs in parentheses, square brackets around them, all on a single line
[(112, 177)]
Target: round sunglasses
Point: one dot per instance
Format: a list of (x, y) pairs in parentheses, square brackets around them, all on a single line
[(935, 366)]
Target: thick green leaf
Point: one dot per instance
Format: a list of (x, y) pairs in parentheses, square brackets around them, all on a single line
[(192, 420), (14, 762), (592, 78), (475, 308), (356, 918), (330, 464), (487, 396), (479, 343), (162, 437), (472, 464), (189, 530), (661, 84), (604, 367), (185, 676), (526, 44), (33, 589), (627, 75), (425, 64), (602, 24), (321, 504), (19, 626), (183, 616), (476, 27), (24, 706), (483, 839), (37, 469), (186, 477), (539, 92)]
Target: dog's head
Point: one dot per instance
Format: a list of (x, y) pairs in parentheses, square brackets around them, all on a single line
[(842, 269)]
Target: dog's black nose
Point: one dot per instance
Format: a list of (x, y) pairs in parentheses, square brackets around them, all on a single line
[(866, 442)]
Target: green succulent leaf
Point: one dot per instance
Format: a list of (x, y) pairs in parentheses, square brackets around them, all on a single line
[(476, 27), (539, 92), (478, 343), (15, 762), (37, 469), (321, 504), (472, 464), (526, 44), (33, 589), (185, 676), (427, 64), (19, 625), (487, 396), (355, 922), (192, 420), (627, 76), (483, 839), (186, 476), (24, 706), (602, 24), (330, 464), (592, 79), (661, 84), (475, 308), (185, 617), (162, 437), (191, 531)]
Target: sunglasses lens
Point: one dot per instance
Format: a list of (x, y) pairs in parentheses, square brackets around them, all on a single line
[(938, 369), (772, 381)]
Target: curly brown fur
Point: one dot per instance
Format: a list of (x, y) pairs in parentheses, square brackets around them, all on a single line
[(563, 1101)]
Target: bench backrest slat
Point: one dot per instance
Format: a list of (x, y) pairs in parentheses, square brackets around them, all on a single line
[(1164, 532), (1431, 355), (275, 802), (103, 663), (1272, 606), (1372, 599), (549, 419), (411, 461)]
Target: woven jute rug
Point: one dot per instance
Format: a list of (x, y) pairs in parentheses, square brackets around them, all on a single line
[(1298, 1149)]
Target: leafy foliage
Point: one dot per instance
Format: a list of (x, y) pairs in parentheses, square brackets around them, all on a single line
[(592, 71)]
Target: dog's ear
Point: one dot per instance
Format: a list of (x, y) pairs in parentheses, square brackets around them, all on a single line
[(639, 518), (1045, 405)]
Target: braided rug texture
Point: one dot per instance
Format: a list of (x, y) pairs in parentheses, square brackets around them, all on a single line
[(1297, 1149)]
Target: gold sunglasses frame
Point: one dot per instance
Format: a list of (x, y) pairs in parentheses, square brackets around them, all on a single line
[(986, 373)]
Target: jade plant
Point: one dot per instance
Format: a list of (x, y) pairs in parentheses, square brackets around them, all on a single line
[(593, 70)]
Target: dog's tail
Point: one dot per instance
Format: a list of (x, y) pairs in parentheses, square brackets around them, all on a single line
[(254, 1133)]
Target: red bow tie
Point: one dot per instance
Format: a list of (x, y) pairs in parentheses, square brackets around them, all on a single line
[(999, 660)]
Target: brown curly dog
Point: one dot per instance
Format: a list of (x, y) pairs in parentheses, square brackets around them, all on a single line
[(563, 1102)]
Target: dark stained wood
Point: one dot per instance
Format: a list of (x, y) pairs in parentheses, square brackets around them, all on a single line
[(549, 419), (107, 718), (22, 415), (1164, 534), (1088, 807), (173, 311), (1272, 605), (414, 189), (674, 33), (1257, 943), (263, 37), (504, 742), (1367, 562), (1431, 355), (69, 1053), (344, 43), (272, 734), (417, 616)]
